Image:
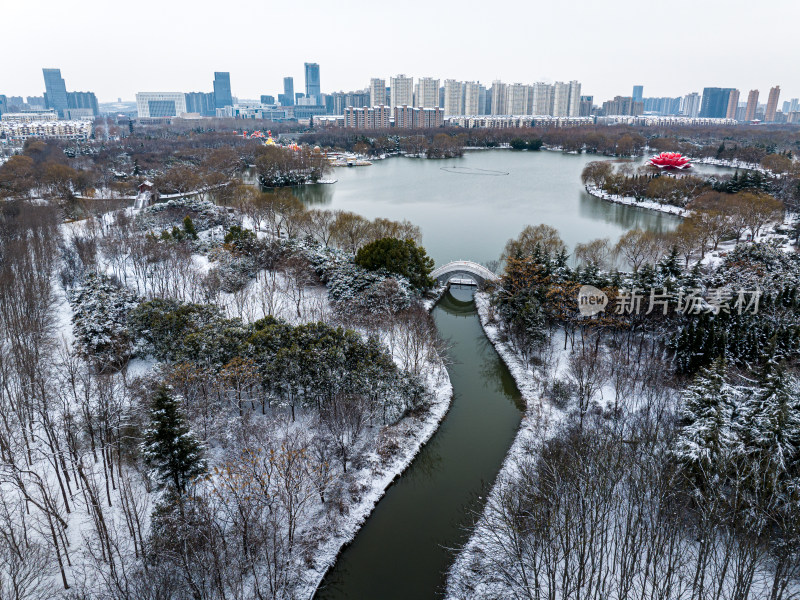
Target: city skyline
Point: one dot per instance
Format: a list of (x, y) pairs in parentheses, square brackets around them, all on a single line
[(521, 51)]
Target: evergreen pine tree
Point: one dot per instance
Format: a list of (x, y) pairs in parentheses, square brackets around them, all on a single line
[(170, 448), (188, 228), (706, 437), (770, 428)]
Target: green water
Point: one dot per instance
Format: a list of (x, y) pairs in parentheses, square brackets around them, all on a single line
[(471, 216), (405, 546)]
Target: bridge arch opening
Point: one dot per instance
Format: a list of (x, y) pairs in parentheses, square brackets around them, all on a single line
[(463, 270)]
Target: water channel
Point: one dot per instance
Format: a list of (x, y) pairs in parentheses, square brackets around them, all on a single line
[(406, 545)]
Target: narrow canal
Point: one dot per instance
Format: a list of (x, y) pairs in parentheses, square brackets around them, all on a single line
[(407, 543)]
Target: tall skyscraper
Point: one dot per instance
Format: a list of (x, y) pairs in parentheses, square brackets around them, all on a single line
[(402, 91), (733, 104), (313, 89), (222, 89), (715, 102), (638, 93), (427, 93), (377, 92), (752, 105), (772, 104), (55, 94), (287, 97)]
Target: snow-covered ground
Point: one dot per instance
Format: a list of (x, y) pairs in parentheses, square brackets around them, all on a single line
[(732, 163), (272, 293), (630, 201)]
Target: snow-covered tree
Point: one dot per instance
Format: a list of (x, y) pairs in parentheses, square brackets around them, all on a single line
[(770, 429), (707, 437), (170, 447)]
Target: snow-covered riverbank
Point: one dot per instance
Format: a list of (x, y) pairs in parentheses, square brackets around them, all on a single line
[(541, 421), (410, 434), (630, 201)]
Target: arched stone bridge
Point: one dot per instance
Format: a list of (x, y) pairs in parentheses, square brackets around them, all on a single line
[(475, 271)]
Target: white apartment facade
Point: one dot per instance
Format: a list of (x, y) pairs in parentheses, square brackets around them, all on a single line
[(517, 99), (499, 91), (427, 93), (377, 91), (401, 90), (472, 98), (453, 97)]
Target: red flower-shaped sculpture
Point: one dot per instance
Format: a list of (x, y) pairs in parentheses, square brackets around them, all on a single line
[(670, 160)]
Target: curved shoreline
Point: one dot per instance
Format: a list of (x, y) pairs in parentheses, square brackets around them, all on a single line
[(630, 201)]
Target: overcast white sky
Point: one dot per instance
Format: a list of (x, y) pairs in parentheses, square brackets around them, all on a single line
[(116, 49)]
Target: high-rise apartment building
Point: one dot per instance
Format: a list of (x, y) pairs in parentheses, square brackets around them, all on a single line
[(560, 99), (222, 89), (574, 109), (377, 91), (313, 89), (517, 99), (484, 100), (733, 104), (402, 90), (542, 99), (715, 102), (426, 93), (586, 106), (690, 107), (622, 105), (499, 92), (638, 93), (772, 104), (752, 105), (472, 98), (337, 102), (453, 97), (55, 94)]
